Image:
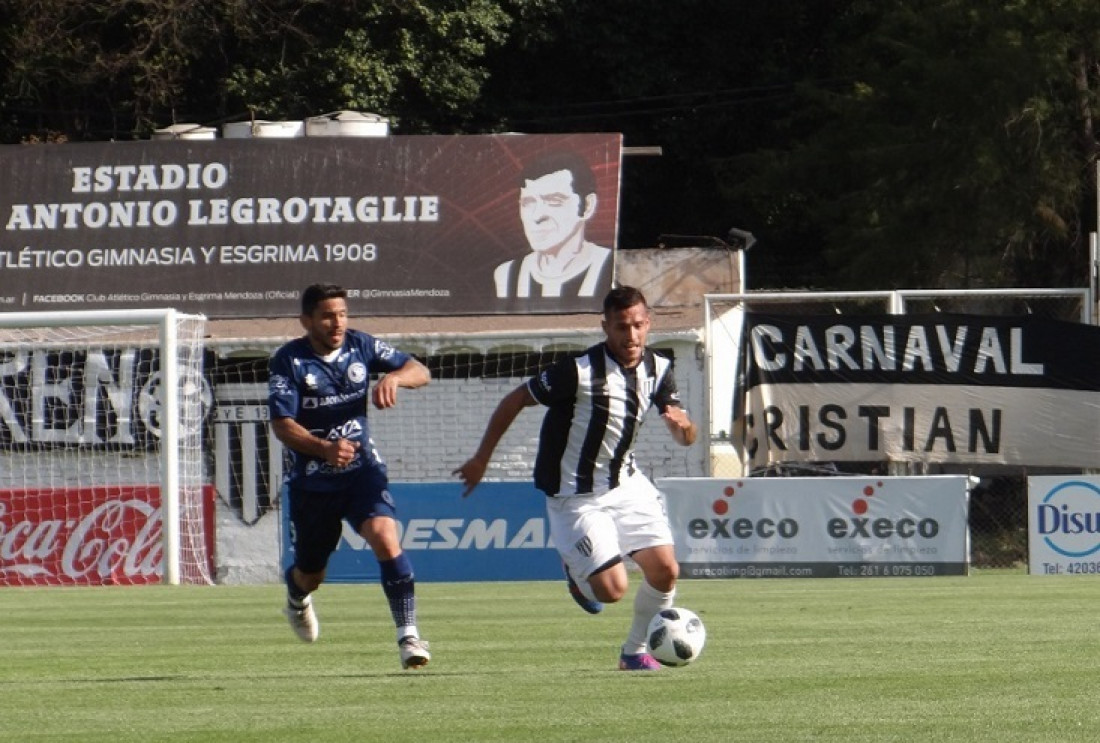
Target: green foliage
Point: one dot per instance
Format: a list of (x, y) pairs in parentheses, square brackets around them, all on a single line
[(866, 143), (116, 68), (958, 152), (994, 657), (420, 63)]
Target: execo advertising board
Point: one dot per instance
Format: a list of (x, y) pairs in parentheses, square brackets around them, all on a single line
[(828, 527)]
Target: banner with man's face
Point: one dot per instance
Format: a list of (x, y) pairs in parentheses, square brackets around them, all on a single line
[(409, 225)]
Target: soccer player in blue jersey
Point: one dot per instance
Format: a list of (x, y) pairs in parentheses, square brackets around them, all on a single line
[(600, 506), (318, 394)]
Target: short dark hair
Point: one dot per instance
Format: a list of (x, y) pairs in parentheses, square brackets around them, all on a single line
[(623, 298), (314, 294), (584, 181)]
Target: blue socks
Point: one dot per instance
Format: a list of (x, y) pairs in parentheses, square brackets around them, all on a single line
[(398, 585), (295, 595)]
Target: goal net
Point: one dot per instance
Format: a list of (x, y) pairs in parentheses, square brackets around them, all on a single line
[(101, 463)]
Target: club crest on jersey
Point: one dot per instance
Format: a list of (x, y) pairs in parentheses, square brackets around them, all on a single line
[(311, 381), (357, 372)]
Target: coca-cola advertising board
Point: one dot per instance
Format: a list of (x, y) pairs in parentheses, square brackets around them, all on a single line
[(94, 536)]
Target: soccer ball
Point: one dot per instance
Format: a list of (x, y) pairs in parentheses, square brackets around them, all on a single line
[(676, 636)]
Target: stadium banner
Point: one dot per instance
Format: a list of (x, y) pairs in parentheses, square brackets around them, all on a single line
[(410, 225), (819, 527), (98, 399), (942, 388), (497, 534), (1063, 525), (88, 536)]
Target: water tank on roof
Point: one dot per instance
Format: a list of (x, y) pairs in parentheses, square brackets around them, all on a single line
[(263, 129), (185, 131), (347, 124)]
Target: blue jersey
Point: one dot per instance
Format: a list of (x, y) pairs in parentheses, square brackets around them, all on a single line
[(329, 398)]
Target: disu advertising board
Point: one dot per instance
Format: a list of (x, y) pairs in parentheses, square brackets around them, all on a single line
[(1063, 525)]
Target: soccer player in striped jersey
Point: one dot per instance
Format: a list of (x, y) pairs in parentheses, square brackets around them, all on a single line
[(318, 392), (600, 506)]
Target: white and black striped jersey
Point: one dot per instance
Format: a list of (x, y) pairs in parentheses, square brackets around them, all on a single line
[(595, 408)]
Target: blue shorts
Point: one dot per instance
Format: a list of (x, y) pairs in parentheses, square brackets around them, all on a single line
[(316, 517)]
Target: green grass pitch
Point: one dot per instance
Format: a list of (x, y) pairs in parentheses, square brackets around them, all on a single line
[(1001, 657)]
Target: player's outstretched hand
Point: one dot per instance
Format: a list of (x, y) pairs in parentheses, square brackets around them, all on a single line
[(470, 473)]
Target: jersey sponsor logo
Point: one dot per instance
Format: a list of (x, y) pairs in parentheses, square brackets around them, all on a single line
[(278, 384), (384, 350), (351, 430), (329, 400), (325, 468)]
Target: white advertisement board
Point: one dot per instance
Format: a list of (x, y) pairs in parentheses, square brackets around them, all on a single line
[(1063, 525), (809, 527)]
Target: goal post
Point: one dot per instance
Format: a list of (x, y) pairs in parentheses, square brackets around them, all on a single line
[(101, 464)]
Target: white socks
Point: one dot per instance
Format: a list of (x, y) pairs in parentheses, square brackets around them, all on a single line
[(647, 602)]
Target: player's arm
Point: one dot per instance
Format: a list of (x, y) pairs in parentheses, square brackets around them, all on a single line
[(294, 435), (412, 374), (499, 422), (679, 425), (672, 412)]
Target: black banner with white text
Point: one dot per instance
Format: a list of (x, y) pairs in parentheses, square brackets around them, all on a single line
[(1018, 390), (410, 225)]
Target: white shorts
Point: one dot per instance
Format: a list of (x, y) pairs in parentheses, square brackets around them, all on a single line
[(590, 531)]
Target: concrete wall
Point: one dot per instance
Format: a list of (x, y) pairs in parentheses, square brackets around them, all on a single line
[(679, 277)]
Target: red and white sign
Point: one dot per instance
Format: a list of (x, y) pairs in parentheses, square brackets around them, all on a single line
[(86, 536)]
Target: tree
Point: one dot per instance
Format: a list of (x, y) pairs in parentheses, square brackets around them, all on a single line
[(958, 153), (705, 80), (420, 63), (100, 69)]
